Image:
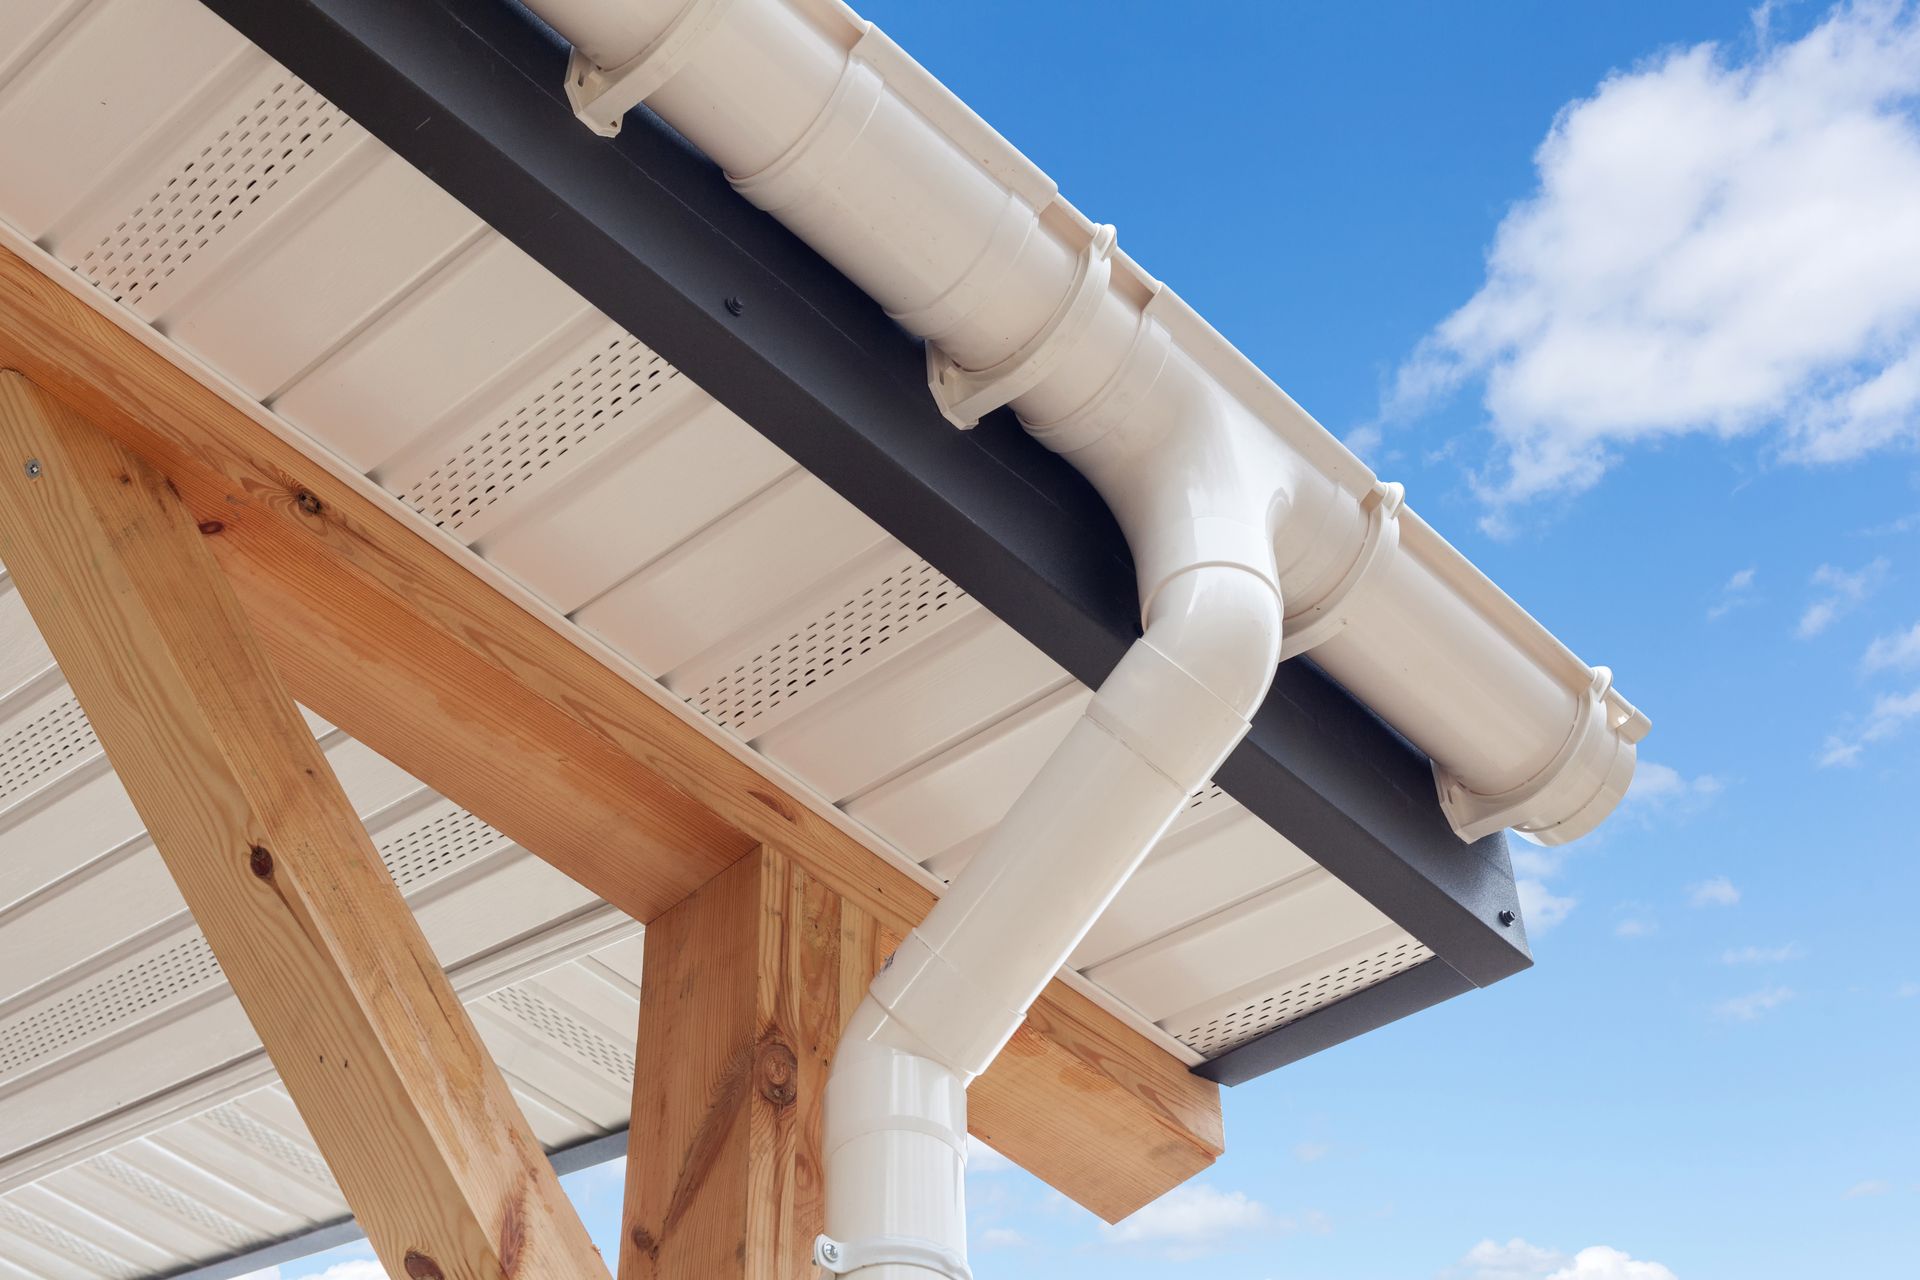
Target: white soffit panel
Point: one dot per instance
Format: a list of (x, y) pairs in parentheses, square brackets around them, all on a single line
[(262, 236)]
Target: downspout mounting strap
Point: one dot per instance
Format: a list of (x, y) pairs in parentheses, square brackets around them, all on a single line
[(842, 1257)]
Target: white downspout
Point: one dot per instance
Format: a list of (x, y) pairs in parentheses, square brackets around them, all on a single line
[(1227, 493)]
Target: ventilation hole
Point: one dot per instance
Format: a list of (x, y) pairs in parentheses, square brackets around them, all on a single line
[(1290, 1004), (442, 844), (838, 638), (212, 190), (60, 1240), (449, 840), (560, 419), (45, 745), (125, 994), (295, 1157), (171, 1202), (581, 1041)]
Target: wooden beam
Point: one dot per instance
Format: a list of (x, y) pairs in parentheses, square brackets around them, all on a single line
[(748, 984), (418, 1127), (382, 631)]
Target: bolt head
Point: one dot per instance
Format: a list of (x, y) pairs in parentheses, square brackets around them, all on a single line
[(735, 306), (1507, 917), (33, 468), (829, 1252)]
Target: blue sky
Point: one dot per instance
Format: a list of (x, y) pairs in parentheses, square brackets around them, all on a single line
[(1628, 295)]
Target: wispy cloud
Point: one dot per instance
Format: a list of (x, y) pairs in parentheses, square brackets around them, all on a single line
[(1837, 593), (1900, 524), (1620, 306), (1542, 907), (1733, 593), (1763, 955), (1885, 719), (1001, 1238), (982, 1158), (1635, 927), (1717, 892), (1751, 1006), (1519, 1260), (1662, 788), (1901, 650), (1871, 1187), (1308, 1152), (1191, 1221)]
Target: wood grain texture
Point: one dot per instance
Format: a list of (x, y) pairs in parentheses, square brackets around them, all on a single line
[(366, 1032), (747, 986), (385, 634)]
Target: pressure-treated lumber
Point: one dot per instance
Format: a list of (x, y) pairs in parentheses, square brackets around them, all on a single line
[(383, 632), (377, 1051), (748, 984)]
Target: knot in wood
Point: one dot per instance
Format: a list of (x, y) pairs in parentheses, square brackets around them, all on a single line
[(260, 862), (420, 1267), (309, 502), (211, 527), (777, 1073)]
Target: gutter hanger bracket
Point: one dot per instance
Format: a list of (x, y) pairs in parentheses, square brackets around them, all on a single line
[(837, 1257), (1327, 616), (601, 97), (1592, 768), (965, 396)]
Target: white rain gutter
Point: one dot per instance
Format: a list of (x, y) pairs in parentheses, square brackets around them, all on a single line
[(1233, 501)]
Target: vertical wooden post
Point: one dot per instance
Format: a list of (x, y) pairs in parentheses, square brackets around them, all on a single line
[(426, 1141), (746, 987)]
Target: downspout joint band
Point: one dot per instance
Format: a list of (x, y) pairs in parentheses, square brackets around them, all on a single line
[(966, 395)]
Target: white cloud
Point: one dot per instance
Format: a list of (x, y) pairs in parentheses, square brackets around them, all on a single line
[(1763, 955), (1514, 1260), (982, 1158), (1736, 591), (1906, 991), (1634, 927), (1308, 1152), (1001, 1238), (1659, 786), (1717, 892), (1901, 649), (1541, 907), (1887, 717), (1519, 1260), (1840, 592), (1602, 1263), (1749, 1007), (1191, 1220), (1871, 1187), (1714, 246), (358, 1269)]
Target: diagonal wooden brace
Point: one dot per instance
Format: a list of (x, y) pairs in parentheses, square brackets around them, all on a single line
[(416, 1123)]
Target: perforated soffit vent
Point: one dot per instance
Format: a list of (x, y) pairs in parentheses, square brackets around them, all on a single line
[(1237, 1026), (906, 596), (139, 986), (216, 187), (44, 746), (564, 416)]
